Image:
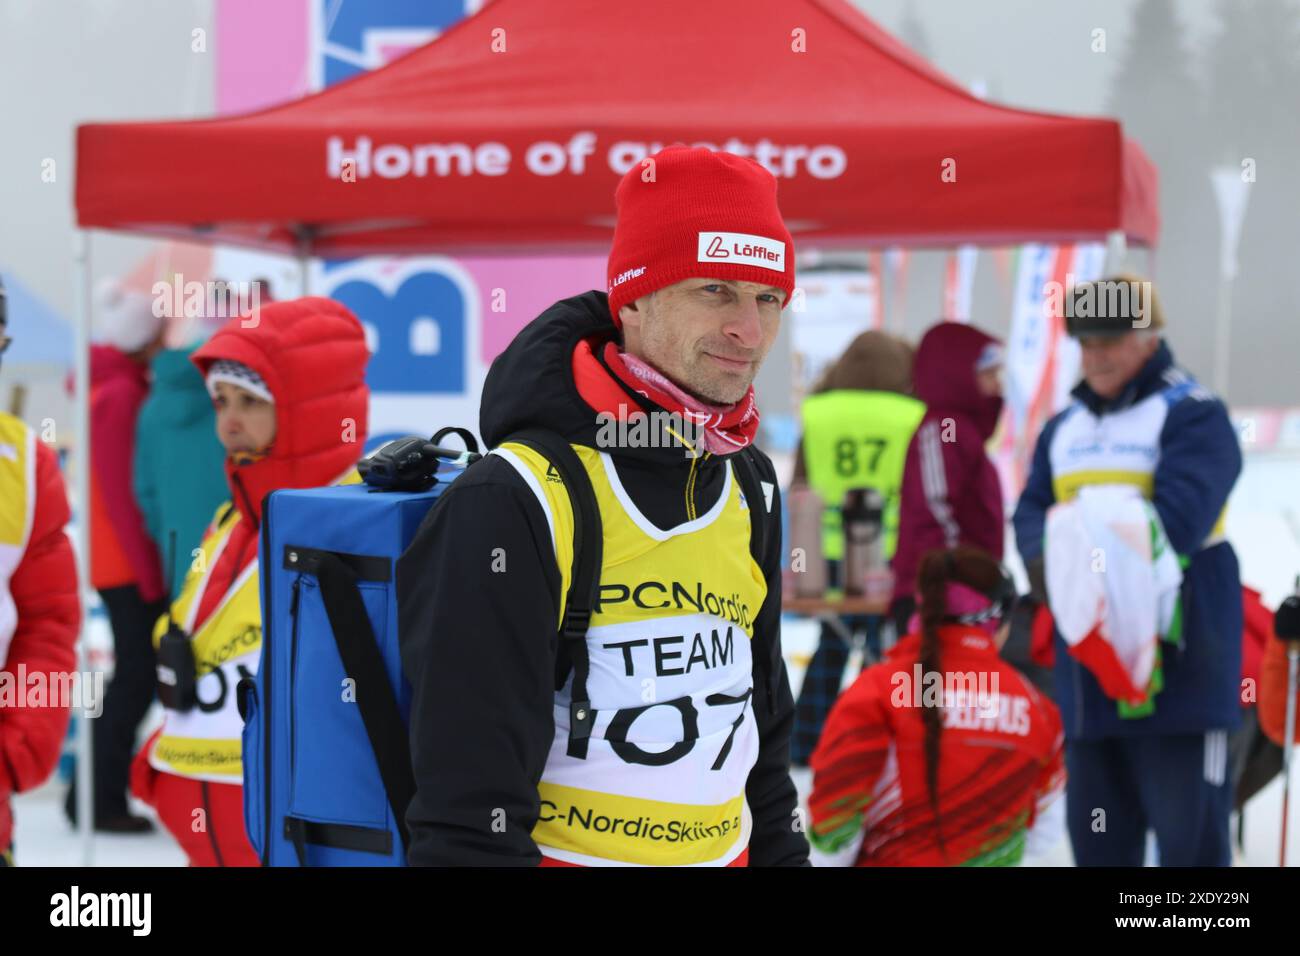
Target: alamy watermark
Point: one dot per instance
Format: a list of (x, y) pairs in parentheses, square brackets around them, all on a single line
[(921, 688), (1130, 300), (213, 299), (641, 429), (58, 689), (966, 700), (74, 908)]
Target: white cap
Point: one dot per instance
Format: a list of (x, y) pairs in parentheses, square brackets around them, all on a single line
[(239, 375), (992, 356), (125, 319)]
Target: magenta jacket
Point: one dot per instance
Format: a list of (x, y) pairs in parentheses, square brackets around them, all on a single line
[(951, 494)]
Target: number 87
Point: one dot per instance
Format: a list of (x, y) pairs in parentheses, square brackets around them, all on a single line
[(846, 455)]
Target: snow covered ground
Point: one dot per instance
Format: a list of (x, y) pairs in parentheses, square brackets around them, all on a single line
[(1263, 523)]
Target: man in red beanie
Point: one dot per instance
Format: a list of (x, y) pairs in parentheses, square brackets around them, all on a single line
[(667, 743)]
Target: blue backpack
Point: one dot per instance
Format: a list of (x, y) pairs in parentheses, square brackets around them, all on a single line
[(326, 752)]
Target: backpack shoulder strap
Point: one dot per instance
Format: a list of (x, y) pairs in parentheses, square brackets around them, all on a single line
[(358, 650), (751, 484), (584, 582)]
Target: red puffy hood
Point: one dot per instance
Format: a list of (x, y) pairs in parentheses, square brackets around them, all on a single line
[(312, 355), (944, 374)]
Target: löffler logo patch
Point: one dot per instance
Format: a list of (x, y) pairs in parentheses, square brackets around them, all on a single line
[(742, 249)]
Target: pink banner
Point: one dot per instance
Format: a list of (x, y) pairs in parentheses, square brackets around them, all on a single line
[(522, 288), (261, 53)]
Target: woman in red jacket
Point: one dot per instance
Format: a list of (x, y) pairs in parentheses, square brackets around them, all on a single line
[(1272, 673), (40, 611), (289, 387), (942, 754)]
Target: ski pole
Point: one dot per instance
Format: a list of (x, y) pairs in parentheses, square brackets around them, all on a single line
[(1286, 627)]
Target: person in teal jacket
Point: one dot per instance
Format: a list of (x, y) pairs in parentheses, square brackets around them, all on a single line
[(179, 477), (857, 426)]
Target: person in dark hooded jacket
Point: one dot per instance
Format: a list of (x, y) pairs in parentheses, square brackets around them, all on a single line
[(688, 753), (951, 493)]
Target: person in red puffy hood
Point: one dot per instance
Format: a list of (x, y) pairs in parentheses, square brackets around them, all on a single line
[(40, 610), (951, 494), (288, 383)]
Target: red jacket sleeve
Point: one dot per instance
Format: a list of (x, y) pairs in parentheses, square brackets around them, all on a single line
[(847, 763), (1271, 707), (1047, 812), (44, 589), (1047, 722), (114, 414)]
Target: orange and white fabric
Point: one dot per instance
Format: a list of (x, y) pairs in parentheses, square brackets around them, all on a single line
[(1112, 584)]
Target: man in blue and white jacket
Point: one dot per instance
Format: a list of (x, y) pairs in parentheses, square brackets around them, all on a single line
[(1139, 419)]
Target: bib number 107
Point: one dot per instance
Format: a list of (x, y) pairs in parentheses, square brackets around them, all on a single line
[(630, 752)]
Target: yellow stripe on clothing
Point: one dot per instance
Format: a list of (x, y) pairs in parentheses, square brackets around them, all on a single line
[(1067, 485), (195, 756), (636, 830), (17, 489), (548, 487)]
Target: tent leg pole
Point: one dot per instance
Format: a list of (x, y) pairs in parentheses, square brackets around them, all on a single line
[(1116, 250), (1222, 340), (304, 268), (85, 752)]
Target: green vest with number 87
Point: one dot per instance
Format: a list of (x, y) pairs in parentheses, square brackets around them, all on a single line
[(857, 439)]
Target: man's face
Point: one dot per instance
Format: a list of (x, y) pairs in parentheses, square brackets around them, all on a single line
[(709, 336), (1110, 362)]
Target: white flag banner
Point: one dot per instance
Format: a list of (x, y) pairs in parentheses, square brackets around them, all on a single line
[(1232, 193), (1029, 339), (838, 305), (959, 283), (1089, 261)]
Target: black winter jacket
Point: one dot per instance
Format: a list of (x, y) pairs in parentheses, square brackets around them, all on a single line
[(479, 647)]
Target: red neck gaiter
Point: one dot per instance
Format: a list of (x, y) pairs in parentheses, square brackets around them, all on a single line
[(724, 429)]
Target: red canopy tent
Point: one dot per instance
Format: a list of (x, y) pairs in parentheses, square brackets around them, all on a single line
[(511, 130)]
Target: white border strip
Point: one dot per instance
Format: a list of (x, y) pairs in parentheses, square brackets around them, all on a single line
[(530, 479), (640, 520)]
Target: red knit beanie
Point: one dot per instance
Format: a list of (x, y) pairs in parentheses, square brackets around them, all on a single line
[(696, 212)]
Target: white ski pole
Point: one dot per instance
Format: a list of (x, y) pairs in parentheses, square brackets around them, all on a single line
[(1286, 626)]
